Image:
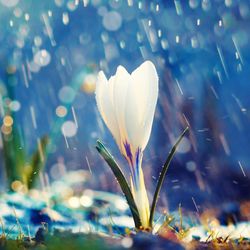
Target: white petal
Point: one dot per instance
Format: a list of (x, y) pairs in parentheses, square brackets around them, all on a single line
[(141, 103), (104, 100), (121, 83), (153, 89)]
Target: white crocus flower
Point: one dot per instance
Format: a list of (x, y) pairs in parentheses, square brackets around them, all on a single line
[(127, 104)]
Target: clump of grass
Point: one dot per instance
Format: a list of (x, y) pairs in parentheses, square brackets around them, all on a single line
[(220, 244), (18, 165), (176, 228), (63, 240)]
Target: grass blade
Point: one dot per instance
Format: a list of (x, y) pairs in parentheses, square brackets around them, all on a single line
[(37, 163), (122, 181), (14, 156), (163, 174)]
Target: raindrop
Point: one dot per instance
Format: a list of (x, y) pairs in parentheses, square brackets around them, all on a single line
[(244, 10), (159, 33), (177, 39), (65, 18), (191, 166), (228, 3), (185, 146), (59, 3), (9, 3), (17, 12), (66, 94), (86, 201), (33, 67), (38, 41), (164, 43), (89, 84), (74, 202), (104, 37), (27, 17), (112, 21), (49, 13), (84, 38), (193, 4), (130, 3), (157, 7), (57, 170), (206, 5), (69, 129), (15, 105), (61, 111), (102, 11), (178, 7), (71, 5), (139, 37), (20, 43), (122, 44), (194, 42), (42, 57), (139, 5)]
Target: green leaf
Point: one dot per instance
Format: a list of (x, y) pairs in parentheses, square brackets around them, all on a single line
[(163, 174), (121, 180), (14, 156), (37, 162)]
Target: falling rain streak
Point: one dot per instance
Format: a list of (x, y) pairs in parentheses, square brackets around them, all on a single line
[(222, 61), (74, 116), (33, 117), (49, 29), (242, 170), (25, 78)]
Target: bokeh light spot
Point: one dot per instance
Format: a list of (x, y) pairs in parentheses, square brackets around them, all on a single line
[(9, 3), (8, 121), (61, 111), (15, 105), (74, 202), (69, 129), (6, 130), (86, 201), (112, 21), (42, 57), (89, 84), (66, 94)]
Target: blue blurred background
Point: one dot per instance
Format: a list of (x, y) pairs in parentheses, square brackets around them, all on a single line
[(51, 52)]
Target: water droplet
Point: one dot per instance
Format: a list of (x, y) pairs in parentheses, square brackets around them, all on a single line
[(72, 5), (59, 3), (193, 4), (65, 18), (27, 17), (191, 166), (61, 111), (164, 43), (9, 3), (184, 146), (42, 57), (66, 94), (38, 41), (112, 21), (15, 105), (69, 129)]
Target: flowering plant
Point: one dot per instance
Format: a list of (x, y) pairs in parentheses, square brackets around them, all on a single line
[(127, 104)]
